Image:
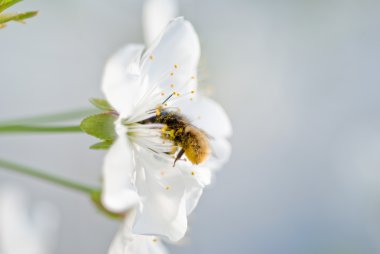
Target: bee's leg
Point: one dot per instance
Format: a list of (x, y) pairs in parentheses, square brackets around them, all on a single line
[(179, 155)]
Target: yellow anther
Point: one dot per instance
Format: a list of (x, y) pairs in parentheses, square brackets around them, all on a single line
[(193, 173), (171, 73), (176, 66), (167, 187), (193, 91), (165, 104), (162, 94), (172, 85), (151, 57), (154, 240), (164, 128), (178, 94)]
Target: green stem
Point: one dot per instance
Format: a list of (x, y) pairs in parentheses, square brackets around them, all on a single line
[(61, 116), (11, 166), (31, 128)]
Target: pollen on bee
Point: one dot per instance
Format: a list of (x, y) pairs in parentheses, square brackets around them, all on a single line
[(151, 57)]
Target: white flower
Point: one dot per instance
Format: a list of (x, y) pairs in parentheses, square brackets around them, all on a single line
[(126, 242), (138, 169), (156, 16), (24, 230)]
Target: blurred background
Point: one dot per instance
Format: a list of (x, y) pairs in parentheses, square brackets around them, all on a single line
[(299, 79)]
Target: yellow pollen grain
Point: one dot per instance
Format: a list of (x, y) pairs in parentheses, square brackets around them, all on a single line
[(151, 57)]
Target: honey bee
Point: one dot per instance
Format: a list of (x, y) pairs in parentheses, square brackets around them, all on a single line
[(192, 141)]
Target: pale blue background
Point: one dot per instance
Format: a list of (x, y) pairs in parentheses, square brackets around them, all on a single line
[(299, 79)]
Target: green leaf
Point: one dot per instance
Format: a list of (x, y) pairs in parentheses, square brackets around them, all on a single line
[(5, 4), (19, 17), (100, 126), (101, 104), (104, 145)]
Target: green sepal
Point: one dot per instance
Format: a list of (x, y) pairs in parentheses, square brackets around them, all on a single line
[(96, 199), (104, 145), (100, 126), (101, 104)]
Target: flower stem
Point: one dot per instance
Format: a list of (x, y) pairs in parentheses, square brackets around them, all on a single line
[(32, 128), (47, 177), (61, 116)]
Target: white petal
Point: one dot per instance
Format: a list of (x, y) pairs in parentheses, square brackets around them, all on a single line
[(127, 243), (196, 177), (198, 173), (156, 16), (121, 79), (208, 115), (164, 203), (221, 152), (119, 193), (193, 194), (171, 61)]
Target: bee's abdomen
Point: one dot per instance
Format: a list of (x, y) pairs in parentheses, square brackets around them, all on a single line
[(196, 145)]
